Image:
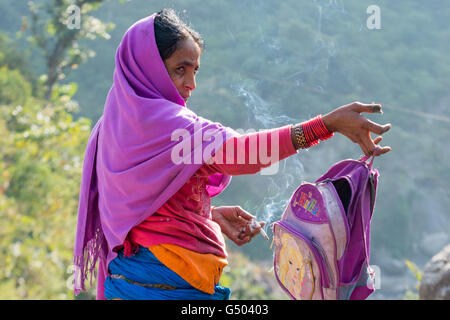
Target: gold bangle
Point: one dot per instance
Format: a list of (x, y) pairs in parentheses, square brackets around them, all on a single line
[(299, 137)]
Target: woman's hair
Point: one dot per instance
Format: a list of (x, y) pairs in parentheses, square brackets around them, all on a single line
[(170, 30)]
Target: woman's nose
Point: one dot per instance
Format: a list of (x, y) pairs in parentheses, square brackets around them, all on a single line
[(190, 82)]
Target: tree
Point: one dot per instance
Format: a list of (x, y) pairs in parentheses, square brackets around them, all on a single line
[(56, 28)]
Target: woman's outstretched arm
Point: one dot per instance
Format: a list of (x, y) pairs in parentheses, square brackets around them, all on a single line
[(254, 151), (250, 153)]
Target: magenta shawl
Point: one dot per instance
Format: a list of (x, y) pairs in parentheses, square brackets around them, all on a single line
[(128, 172)]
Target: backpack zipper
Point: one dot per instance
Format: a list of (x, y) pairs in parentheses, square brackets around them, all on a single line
[(325, 180), (324, 258)]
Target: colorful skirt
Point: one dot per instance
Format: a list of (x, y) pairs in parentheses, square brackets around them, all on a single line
[(143, 277)]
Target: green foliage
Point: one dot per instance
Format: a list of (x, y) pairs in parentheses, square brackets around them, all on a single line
[(248, 280), (10, 56), (13, 87), (41, 156), (13, 62), (414, 269), (41, 149), (413, 294)]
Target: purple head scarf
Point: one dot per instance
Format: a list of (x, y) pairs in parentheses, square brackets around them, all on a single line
[(128, 171)]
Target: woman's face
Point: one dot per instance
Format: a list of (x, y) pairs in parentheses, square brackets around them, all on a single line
[(183, 66)]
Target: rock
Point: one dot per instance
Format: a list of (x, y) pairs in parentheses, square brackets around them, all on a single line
[(435, 282)]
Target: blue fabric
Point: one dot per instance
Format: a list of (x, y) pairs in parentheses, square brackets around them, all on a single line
[(145, 268), (346, 292)]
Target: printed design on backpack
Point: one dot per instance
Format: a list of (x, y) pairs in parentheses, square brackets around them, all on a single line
[(307, 202), (298, 265), (295, 270)]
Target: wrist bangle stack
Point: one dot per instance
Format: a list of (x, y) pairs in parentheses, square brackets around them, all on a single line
[(310, 133), (320, 129)]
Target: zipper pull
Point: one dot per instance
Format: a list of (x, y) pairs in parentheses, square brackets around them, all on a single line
[(325, 181)]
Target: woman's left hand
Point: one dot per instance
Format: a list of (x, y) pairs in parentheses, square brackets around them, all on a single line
[(349, 121), (236, 223)]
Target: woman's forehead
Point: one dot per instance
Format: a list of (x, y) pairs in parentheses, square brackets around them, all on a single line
[(188, 52)]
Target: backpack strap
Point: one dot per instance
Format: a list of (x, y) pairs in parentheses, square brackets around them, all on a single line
[(372, 203), (365, 158), (371, 183), (372, 192)]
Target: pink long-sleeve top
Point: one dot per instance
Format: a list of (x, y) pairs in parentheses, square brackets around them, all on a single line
[(183, 226)]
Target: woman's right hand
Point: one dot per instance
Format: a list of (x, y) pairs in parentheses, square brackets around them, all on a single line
[(236, 223), (348, 121)]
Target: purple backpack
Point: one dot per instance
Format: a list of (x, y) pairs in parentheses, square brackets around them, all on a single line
[(322, 240)]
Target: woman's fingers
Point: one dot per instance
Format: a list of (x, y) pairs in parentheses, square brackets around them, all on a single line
[(250, 230), (369, 125), (244, 214), (364, 149), (256, 228), (363, 107), (377, 140), (375, 127), (379, 151), (366, 144), (240, 242), (371, 147)]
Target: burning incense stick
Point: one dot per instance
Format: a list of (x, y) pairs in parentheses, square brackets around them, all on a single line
[(264, 234), (255, 224)]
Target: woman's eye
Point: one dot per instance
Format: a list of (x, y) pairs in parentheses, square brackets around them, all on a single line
[(180, 69), (290, 262)]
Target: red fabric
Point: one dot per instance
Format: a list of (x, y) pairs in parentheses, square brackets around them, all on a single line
[(185, 219)]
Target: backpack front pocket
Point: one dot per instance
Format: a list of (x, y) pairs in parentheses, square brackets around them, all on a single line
[(298, 265)]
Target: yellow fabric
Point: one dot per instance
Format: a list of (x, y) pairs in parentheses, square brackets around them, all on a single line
[(200, 270)]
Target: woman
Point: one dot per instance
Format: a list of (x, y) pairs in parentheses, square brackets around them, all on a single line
[(145, 211)]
